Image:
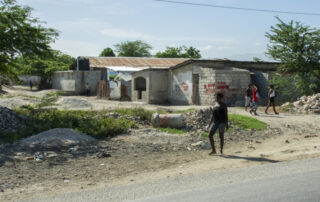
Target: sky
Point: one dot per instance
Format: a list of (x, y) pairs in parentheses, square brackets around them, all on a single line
[(86, 27)]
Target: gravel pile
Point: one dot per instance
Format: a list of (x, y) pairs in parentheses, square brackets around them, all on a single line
[(9, 120), (306, 104), (71, 102), (57, 137), (198, 119)]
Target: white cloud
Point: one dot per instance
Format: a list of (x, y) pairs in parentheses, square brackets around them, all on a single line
[(125, 34), (206, 48), (57, 1), (77, 48)]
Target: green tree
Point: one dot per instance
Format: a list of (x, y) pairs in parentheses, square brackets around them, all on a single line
[(133, 49), (256, 59), (21, 35), (179, 52), (43, 66), (297, 48), (107, 52)]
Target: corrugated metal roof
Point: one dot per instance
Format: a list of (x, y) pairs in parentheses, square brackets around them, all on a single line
[(135, 62)]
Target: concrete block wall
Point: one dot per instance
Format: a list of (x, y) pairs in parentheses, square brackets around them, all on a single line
[(207, 90), (158, 93), (74, 82), (233, 83), (229, 81)]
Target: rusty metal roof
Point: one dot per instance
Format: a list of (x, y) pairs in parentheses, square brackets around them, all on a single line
[(135, 62)]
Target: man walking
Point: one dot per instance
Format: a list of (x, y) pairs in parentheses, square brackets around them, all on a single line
[(271, 100), (219, 121)]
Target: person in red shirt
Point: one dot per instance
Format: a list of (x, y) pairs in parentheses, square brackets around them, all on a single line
[(254, 100)]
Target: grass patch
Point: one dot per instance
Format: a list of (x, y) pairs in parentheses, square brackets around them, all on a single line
[(49, 99), (29, 96), (246, 122), (172, 130), (138, 112)]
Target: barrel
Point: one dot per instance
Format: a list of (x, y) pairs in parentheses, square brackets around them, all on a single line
[(168, 120)]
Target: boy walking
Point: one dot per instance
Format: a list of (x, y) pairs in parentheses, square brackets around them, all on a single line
[(220, 121)]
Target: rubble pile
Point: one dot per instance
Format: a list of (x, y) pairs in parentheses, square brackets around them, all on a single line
[(10, 121), (306, 104), (198, 119)]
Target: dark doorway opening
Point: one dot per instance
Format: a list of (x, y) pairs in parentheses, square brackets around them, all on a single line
[(195, 89), (140, 85)]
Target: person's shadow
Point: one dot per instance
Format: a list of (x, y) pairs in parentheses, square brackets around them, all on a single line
[(259, 159)]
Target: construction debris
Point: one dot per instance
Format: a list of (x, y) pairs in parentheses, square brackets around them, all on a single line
[(305, 104)]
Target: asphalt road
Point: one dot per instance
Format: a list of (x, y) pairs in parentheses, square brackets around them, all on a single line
[(286, 188), (284, 181)]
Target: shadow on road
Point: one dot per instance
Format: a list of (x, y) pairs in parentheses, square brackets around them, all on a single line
[(270, 115), (259, 159)]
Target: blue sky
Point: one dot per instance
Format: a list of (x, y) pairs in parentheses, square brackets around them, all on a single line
[(88, 26)]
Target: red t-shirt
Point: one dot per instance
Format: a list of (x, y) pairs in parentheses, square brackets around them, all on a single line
[(255, 97)]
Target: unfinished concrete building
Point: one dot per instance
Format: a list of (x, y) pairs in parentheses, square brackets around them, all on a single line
[(197, 82)]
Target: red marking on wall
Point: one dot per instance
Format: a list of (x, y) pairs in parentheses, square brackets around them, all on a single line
[(209, 89), (185, 86)]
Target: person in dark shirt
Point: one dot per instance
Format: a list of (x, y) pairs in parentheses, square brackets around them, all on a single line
[(31, 85), (248, 97), (219, 121)]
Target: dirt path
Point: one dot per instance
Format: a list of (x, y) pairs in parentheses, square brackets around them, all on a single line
[(146, 154)]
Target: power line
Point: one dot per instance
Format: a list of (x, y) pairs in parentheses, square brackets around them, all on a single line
[(237, 8)]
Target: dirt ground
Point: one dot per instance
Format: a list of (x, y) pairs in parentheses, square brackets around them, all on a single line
[(147, 154)]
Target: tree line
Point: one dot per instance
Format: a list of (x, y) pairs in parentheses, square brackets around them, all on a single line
[(25, 49), (139, 48)]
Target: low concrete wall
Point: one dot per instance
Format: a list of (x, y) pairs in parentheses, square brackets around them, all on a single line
[(27, 78), (74, 82)]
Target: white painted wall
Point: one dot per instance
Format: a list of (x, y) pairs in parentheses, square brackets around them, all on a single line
[(182, 86), (115, 89)]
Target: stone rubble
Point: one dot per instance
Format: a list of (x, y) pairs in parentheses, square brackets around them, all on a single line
[(306, 104), (198, 119), (10, 121)]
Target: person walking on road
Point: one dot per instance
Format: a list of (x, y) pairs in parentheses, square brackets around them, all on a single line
[(254, 100), (219, 121), (31, 85), (248, 97), (271, 100)]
